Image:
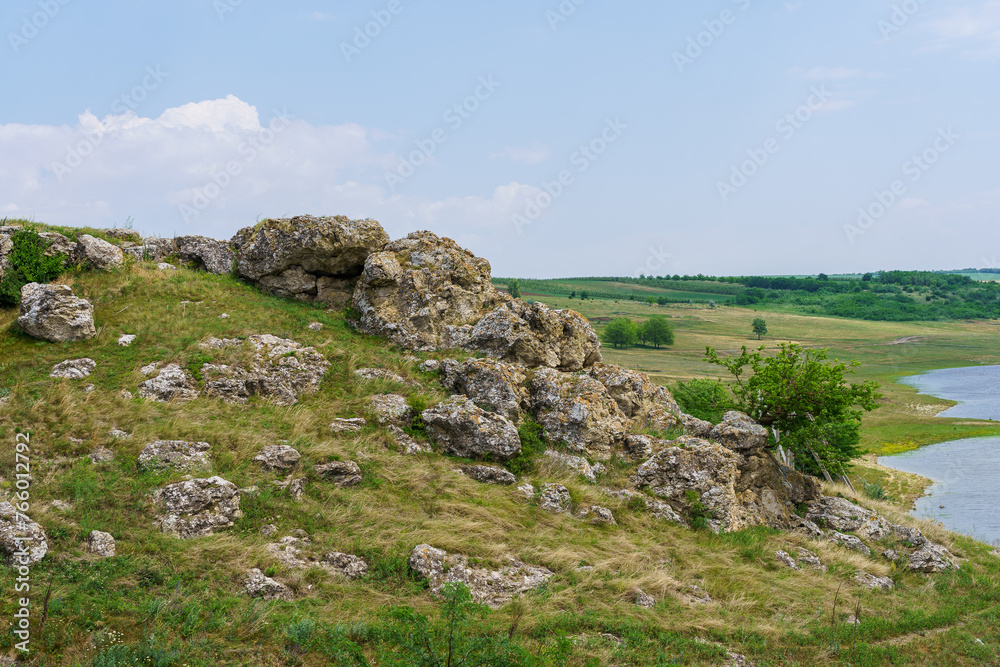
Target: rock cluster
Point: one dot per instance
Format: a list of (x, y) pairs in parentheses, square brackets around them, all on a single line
[(464, 429), (53, 313), (280, 370)]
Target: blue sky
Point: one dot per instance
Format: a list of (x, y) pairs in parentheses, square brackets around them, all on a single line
[(722, 137)]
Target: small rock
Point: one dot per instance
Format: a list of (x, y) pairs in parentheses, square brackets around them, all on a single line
[(931, 558), (76, 441), (125, 394), (61, 505), (101, 455), (73, 369), (341, 473), (173, 383), (849, 541), (786, 560), (295, 487), (555, 498), (126, 339), (526, 490), (259, 586), (643, 599), (889, 554), (162, 454), (315, 326), (489, 475), (995, 552), (871, 582), (639, 447), (405, 444), (117, 434), (164, 266), (739, 432), (101, 544), (852, 620), (149, 369), (597, 515), (88, 389), (348, 425), (375, 374), (390, 408), (430, 366), (807, 557), (979, 642), (224, 316), (22, 541), (277, 457), (577, 463), (350, 566), (268, 530)]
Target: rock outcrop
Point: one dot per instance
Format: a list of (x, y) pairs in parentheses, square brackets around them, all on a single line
[(53, 313), (173, 383), (308, 258), (493, 385), (494, 588), (424, 292), (578, 411), (648, 405), (198, 507), (463, 429), (178, 454), (533, 335), (204, 253), (280, 370), (97, 253), (22, 541)]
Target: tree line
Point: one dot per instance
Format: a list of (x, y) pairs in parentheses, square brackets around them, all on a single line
[(622, 332)]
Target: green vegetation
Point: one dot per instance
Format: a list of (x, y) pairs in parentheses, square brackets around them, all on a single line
[(704, 399), (759, 327), (621, 332), (27, 263), (656, 331), (514, 288)]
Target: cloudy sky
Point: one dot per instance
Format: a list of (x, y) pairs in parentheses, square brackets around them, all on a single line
[(580, 137)]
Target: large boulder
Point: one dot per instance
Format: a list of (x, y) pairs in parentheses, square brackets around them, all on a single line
[(494, 588), (648, 405), (533, 335), (22, 541), (424, 292), (53, 313), (97, 253), (493, 385), (307, 257), (210, 254), (739, 433), (198, 507), (464, 429), (578, 411), (842, 515)]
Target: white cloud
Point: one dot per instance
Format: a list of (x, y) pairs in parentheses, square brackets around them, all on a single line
[(975, 30), (215, 115), (534, 154)]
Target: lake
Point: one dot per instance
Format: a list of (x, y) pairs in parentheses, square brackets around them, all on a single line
[(966, 473)]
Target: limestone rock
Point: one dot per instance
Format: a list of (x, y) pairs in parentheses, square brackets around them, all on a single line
[(101, 455), (280, 370), (350, 566), (597, 515), (293, 283), (640, 447), (657, 508), (739, 433), (871, 582), (162, 454), (376, 374), (698, 428), (315, 326), (464, 429), (842, 515), (807, 557), (849, 541), (493, 385), (341, 473), (555, 498), (101, 544), (577, 410), (22, 541), (122, 234), (642, 599), (198, 507), (97, 253), (257, 585), (53, 313), (494, 588), (172, 383), (278, 457), (786, 560), (125, 340), (212, 255), (577, 463), (931, 558), (532, 335), (390, 408), (73, 369), (429, 366), (406, 444), (296, 487), (645, 403), (353, 425), (489, 475), (164, 266), (57, 244)]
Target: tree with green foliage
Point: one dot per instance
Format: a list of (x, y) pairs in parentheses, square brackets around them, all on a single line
[(27, 263), (704, 399), (804, 398), (621, 332), (514, 288), (584, 295), (759, 327), (656, 331)]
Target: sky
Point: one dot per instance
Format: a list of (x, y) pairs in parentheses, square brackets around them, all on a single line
[(555, 138)]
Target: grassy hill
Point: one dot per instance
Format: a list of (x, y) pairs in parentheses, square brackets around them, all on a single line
[(166, 602)]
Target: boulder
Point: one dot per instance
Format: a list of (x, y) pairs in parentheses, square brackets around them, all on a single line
[(739, 433), (849, 542), (931, 558), (640, 447), (307, 257), (493, 588), (489, 475), (350, 566), (532, 335), (424, 292), (645, 403), (575, 463), (257, 585), (493, 385), (842, 515), (100, 544), (464, 429), (872, 582), (353, 425), (578, 411), (198, 507), (699, 428), (277, 457), (555, 498), (22, 541), (390, 408), (57, 244), (178, 454), (53, 313), (123, 234), (97, 253), (341, 473), (597, 515), (212, 255), (173, 383), (73, 369), (280, 370)]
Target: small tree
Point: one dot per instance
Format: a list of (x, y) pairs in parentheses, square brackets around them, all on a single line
[(759, 327), (657, 331), (621, 332), (584, 295), (514, 288)]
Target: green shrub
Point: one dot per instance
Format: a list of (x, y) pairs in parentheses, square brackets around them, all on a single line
[(875, 490), (27, 263), (699, 513), (533, 444), (704, 399)]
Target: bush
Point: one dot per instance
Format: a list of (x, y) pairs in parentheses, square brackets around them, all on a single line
[(875, 490), (704, 399), (27, 263), (533, 444)]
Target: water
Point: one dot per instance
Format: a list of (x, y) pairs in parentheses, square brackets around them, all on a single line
[(966, 473)]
